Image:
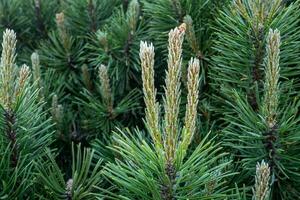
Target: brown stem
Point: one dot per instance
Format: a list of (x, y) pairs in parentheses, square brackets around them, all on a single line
[(167, 189), (127, 47), (39, 20), (10, 121), (271, 138)]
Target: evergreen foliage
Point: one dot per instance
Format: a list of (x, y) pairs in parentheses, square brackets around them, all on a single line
[(92, 15), (258, 79), (84, 178), (25, 128), (219, 117), (102, 112), (116, 45), (160, 170)]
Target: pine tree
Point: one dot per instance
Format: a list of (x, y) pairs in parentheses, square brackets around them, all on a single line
[(25, 130), (161, 170), (59, 60), (199, 16), (113, 99), (71, 122), (257, 76), (60, 57)]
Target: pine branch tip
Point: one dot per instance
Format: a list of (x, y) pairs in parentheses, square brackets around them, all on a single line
[(261, 189)]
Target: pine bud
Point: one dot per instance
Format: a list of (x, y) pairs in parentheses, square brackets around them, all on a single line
[(8, 70), (59, 113), (23, 78), (211, 185), (262, 10), (69, 188), (86, 76), (172, 90), (61, 26), (191, 36), (192, 103), (91, 4), (35, 60), (272, 77), (23, 74), (56, 110), (105, 87), (152, 107), (261, 190), (102, 38), (9, 48), (133, 14), (37, 3), (176, 4), (36, 69), (60, 20), (54, 101)]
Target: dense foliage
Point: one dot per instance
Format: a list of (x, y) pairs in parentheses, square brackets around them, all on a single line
[(143, 99)]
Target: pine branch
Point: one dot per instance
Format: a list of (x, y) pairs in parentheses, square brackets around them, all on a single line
[(241, 38), (145, 170), (116, 46), (10, 121), (88, 15), (23, 122), (257, 13), (264, 133)]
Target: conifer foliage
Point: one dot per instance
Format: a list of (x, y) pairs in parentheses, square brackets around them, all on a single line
[(161, 170), (82, 182), (90, 110), (25, 129), (256, 72)]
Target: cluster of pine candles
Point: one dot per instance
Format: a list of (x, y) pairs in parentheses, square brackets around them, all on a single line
[(150, 100)]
